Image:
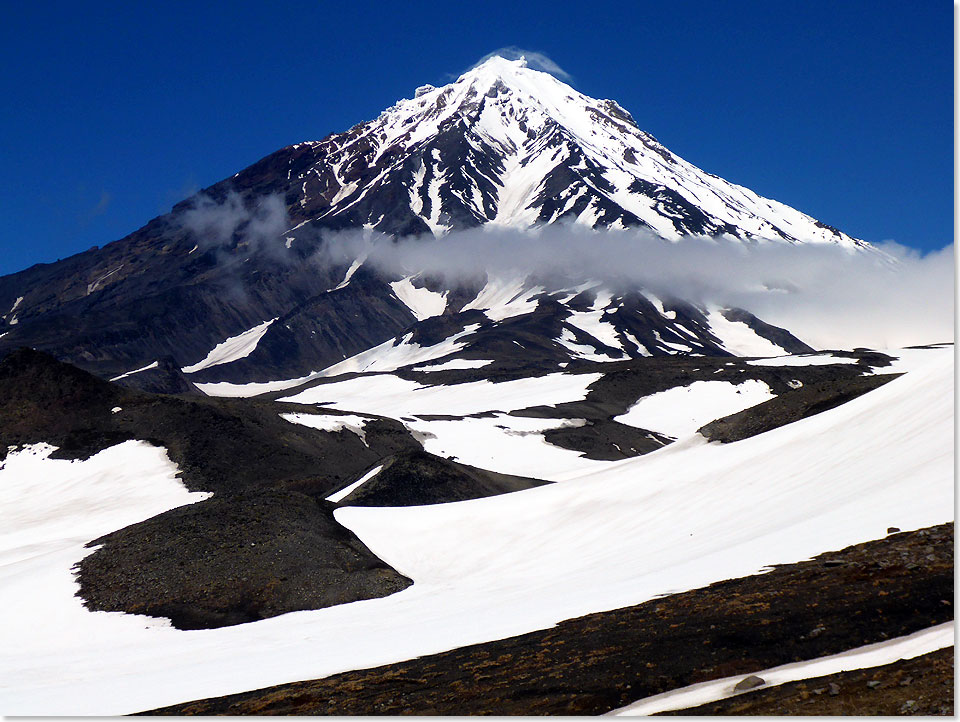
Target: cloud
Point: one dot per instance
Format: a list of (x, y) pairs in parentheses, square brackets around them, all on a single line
[(535, 60), (828, 296), (106, 197), (234, 222)]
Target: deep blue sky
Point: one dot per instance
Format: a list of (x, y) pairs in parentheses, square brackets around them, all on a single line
[(114, 112)]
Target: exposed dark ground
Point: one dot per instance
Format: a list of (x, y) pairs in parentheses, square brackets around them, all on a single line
[(412, 478), (802, 391), (919, 686), (220, 445), (792, 406), (606, 439), (234, 559), (266, 543), (593, 664)]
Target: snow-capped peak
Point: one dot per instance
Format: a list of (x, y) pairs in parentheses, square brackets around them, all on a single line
[(509, 145)]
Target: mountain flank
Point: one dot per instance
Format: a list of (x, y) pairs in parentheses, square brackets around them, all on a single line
[(600, 662)]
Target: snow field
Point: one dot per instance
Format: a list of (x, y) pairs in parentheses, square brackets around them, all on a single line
[(823, 483), (682, 410), (911, 359), (677, 519), (398, 398), (738, 338), (507, 444), (806, 359), (456, 364), (52, 508)]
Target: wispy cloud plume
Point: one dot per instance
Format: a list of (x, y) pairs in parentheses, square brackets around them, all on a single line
[(535, 60), (829, 296), (106, 198)]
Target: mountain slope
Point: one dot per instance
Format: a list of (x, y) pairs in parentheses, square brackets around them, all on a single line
[(512, 146), (244, 281)]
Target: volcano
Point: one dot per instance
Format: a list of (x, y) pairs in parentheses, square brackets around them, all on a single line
[(248, 466)]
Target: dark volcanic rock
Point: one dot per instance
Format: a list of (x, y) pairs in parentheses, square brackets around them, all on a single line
[(417, 477), (233, 559), (919, 686), (42, 399), (319, 332), (624, 382), (607, 440), (749, 683), (165, 378), (791, 406), (220, 445), (603, 661)]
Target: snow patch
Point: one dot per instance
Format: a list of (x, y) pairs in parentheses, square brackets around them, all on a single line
[(13, 309), (91, 287), (569, 341), (231, 349), (227, 389), (502, 298), (422, 302), (505, 444), (347, 490), (388, 395), (136, 371), (739, 339), (350, 271), (803, 360), (393, 354), (456, 364), (680, 411), (330, 423)]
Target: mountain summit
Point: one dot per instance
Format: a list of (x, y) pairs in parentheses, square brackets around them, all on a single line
[(228, 286), (512, 146)]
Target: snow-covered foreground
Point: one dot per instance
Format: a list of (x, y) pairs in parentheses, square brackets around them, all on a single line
[(871, 655), (677, 519)]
